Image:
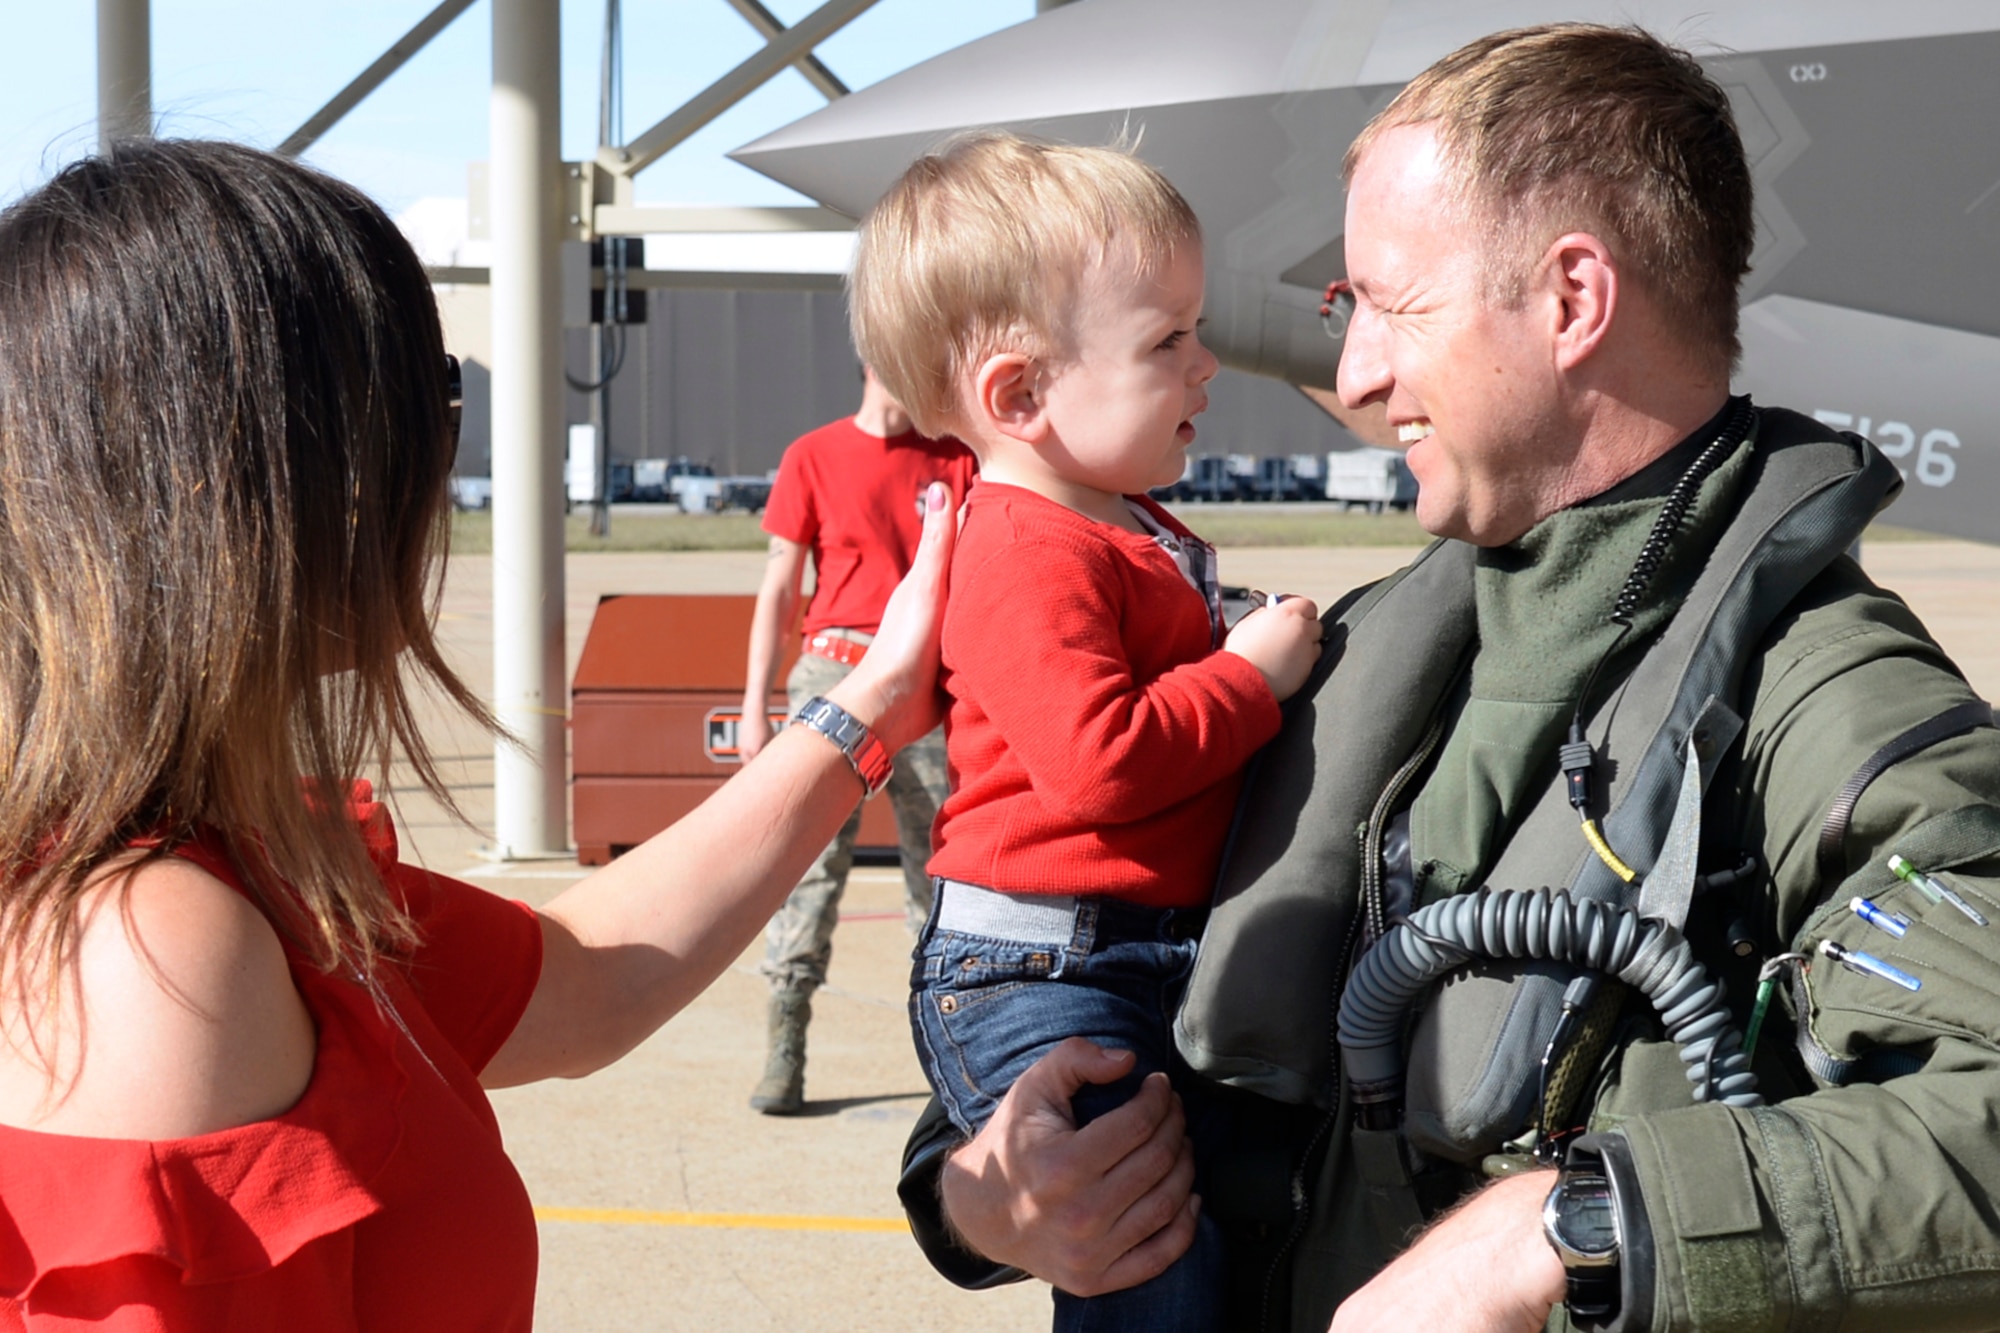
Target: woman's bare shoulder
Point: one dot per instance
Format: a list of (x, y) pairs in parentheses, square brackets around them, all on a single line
[(190, 1021)]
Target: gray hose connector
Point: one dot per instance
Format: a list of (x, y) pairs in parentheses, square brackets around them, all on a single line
[(1650, 956)]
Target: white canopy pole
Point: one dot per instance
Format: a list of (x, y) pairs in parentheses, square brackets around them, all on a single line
[(530, 786), (124, 71)]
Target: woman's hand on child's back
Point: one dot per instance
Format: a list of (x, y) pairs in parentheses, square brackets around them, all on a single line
[(1281, 640)]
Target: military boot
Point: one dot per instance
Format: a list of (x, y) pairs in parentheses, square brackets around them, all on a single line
[(782, 1090)]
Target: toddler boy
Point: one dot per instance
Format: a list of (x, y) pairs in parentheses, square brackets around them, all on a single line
[(1041, 303)]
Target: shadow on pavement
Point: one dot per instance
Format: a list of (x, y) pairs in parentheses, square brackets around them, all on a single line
[(838, 1105)]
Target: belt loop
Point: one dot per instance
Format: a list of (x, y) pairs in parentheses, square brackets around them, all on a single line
[(930, 917), (1085, 938)]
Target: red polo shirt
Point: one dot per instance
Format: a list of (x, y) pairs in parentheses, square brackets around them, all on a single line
[(854, 500)]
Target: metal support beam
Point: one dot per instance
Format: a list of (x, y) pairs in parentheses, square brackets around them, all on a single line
[(530, 785), (124, 71), (656, 219), (344, 101), (664, 279), (734, 86), (768, 26)]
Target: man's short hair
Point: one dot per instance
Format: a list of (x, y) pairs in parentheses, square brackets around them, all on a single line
[(981, 247), (1581, 127)]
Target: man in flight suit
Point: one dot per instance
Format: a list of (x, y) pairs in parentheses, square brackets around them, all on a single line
[(1545, 236)]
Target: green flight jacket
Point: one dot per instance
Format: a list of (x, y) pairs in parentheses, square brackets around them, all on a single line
[(1863, 1204), (1870, 1205)]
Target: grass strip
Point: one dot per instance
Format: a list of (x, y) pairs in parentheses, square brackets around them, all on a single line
[(1223, 525)]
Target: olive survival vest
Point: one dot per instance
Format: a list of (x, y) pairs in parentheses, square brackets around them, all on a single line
[(1259, 1012)]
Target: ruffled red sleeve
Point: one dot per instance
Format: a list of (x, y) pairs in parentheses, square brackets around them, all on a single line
[(382, 1200), (204, 1232)]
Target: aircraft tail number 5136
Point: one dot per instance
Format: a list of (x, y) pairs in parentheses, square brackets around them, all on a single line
[(1935, 450)]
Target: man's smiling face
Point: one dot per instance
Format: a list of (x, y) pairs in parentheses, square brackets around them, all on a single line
[(1468, 383)]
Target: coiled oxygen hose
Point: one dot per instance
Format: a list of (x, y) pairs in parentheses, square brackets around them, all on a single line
[(1650, 956)]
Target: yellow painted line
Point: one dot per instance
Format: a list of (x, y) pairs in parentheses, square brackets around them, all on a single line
[(633, 1217)]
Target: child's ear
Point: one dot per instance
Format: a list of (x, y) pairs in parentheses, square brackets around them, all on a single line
[(1006, 393)]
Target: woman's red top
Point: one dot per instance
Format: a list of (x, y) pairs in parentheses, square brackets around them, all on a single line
[(383, 1200)]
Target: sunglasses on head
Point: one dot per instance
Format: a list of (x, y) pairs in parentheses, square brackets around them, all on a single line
[(454, 395)]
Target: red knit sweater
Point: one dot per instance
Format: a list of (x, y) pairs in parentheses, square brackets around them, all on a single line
[(1096, 737)]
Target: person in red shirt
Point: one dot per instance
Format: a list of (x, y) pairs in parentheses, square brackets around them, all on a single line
[(848, 498), (1042, 302), (243, 1085)]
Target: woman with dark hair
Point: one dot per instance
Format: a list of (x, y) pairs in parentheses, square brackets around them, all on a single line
[(241, 1080)]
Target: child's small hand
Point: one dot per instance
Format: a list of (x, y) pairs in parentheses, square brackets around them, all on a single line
[(1281, 640)]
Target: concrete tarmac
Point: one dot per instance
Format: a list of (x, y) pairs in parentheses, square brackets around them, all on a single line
[(664, 1201)]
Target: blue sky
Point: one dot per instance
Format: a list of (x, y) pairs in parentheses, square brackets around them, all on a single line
[(252, 70)]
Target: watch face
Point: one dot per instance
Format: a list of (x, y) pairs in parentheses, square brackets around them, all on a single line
[(1586, 1217)]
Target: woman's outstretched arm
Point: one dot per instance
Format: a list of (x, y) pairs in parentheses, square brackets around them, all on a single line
[(627, 948)]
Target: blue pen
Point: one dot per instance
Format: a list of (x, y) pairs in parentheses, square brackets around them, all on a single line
[(1868, 965), (1878, 918), (1929, 886)]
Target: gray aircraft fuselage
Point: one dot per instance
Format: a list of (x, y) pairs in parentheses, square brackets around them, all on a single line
[(1873, 133)]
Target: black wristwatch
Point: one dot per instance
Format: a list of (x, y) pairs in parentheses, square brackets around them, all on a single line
[(1581, 1220)]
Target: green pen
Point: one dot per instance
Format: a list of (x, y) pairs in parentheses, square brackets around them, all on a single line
[(1929, 886), (1765, 988)]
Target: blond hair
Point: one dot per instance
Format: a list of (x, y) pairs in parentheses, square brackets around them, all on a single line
[(981, 246), (1582, 127)]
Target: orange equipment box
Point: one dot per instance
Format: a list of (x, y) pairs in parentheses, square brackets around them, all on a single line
[(653, 712)]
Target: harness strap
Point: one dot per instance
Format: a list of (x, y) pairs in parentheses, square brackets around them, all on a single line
[(1576, 1066), (1385, 1178), (1669, 886), (1833, 832)]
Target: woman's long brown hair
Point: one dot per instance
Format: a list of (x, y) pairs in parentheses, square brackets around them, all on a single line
[(224, 460)]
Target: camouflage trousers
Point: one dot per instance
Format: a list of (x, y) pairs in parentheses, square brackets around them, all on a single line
[(799, 941)]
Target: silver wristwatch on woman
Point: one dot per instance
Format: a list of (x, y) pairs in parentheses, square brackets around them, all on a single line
[(865, 754)]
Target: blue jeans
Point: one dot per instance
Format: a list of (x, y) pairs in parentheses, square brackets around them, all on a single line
[(983, 1009)]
